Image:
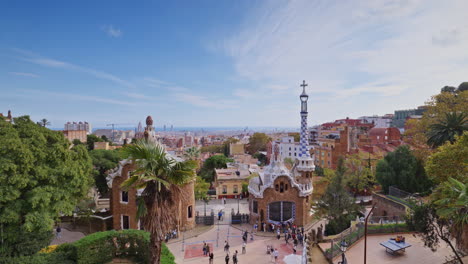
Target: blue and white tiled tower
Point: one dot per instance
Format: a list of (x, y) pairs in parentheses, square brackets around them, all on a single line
[(306, 161)]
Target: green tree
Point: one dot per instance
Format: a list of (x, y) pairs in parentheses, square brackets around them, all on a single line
[(40, 178), (462, 87), (450, 160), (402, 169), (448, 89), (358, 176), (76, 142), (454, 124), (90, 139), (192, 153), (201, 188), (451, 203), (258, 142), (214, 162), (212, 149), (43, 122), (431, 227), (161, 176), (336, 204), (319, 171), (262, 158), (103, 160)]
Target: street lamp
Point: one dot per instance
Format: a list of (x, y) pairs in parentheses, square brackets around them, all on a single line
[(343, 247), (365, 234)]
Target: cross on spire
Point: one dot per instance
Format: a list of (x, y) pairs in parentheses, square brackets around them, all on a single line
[(303, 85)]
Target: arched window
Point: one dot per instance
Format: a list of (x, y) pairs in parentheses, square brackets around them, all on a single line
[(281, 187), (189, 212)]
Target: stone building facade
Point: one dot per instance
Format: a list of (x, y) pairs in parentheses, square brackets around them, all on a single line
[(123, 204), (278, 194)]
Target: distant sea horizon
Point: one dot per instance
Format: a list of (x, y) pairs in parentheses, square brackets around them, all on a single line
[(206, 128)]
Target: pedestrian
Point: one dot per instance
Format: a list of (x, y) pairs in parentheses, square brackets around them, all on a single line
[(275, 254), (294, 249), (234, 257), (58, 232), (211, 258), (244, 245), (286, 238), (204, 249), (227, 258), (207, 249), (278, 234)]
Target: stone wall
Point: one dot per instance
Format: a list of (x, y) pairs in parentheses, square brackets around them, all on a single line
[(387, 207), (117, 207)]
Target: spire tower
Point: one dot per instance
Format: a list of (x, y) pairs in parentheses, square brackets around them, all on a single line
[(306, 162)]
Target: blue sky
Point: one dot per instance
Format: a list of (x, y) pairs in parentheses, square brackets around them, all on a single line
[(226, 63)]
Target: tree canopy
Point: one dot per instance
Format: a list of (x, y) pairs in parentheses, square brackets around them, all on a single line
[(207, 171), (40, 178), (103, 160), (201, 188), (450, 160), (401, 169), (90, 139), (446, 129), (258, 142), (336, 204), (358, 176)]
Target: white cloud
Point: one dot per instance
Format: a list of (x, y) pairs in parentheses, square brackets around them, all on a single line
[(70, 96), (399, 49), (111, 31), (49, 62), (25, 74)]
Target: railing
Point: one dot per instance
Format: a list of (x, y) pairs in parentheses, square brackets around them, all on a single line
[(353, 234)]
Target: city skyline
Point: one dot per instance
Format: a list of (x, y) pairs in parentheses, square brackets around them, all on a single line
[(228, 64)]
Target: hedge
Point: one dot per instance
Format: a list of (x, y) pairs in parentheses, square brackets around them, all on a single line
[(99, 248)]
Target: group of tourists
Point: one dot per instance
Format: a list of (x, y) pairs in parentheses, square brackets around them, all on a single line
[(208, 253), (273, 252), (172, 234)]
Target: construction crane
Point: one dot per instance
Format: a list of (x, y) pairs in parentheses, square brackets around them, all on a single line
[(113, 128)]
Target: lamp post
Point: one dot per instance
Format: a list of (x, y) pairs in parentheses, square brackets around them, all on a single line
[(365, 233), (343, 247)]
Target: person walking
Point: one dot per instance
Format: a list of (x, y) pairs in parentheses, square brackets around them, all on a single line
[(227, 258), (204, 249), (207, 249), (234, 257), (295, 249), (276, 254), (58, 232), (211, 258), (278, 234), (244, 245)]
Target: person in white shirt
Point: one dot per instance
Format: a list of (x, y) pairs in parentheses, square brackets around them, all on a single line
[(275, 254)]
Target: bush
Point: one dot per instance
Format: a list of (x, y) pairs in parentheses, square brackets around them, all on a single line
[(99, 248)]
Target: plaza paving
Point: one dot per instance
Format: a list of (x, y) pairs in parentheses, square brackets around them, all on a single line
[(376, 253), (256, 249)]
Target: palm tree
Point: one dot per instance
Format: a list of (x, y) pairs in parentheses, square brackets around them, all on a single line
[(161, 176), (452, 204), (192, 153), (43, 122), (452, 125)]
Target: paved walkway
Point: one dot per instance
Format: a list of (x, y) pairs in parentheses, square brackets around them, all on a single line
[(256, 249), (66, 236), (416, 254)]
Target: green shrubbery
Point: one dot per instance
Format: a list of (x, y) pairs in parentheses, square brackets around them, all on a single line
[(98, 248)]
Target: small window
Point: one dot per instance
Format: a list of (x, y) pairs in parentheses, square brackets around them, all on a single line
[(277, 187), (255, 207), (125, 222), (189, 211), (295, 154), (124, 197), (289, 148), (281, 187), (224, 189), (235, 188), (289, 154)]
